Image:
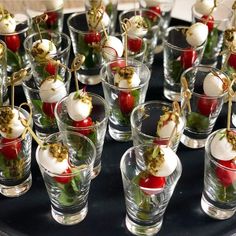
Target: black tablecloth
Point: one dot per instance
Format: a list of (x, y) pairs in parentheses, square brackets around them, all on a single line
[(30, 214)]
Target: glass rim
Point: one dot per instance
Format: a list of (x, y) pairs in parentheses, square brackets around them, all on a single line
[(64, 133), (103, 71), (210, 157), (165, 42), (95, 125)]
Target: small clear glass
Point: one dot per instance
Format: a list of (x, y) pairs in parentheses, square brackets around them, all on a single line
[(68, 193)]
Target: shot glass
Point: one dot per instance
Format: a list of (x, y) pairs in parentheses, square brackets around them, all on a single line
[(219, 193), (96, 132), (88, 43), (43, 115), (204, 109), (110, 7), (121, 100), (3, 74), (145, 206), (16, 55), (154, 122), (178, 56), (15, 163), (68, 192), (41, 68), (222, 19), (54, 11), (153, 22), (163, 8)]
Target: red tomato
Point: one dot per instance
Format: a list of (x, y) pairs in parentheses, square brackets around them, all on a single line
[(226, 177), (52, 18), (65, 177), (51, 68), (92, 37), (210, 22), (126, 102), (117, 64), (83, 124), (134, 44), (187, 58), (232, 61), (152, 184), (13, 42), (12, 150), (206, 106), (160, 141), (156, 9), (48, 109)]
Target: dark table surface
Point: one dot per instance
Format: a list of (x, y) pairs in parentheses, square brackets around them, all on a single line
[(30, 214)]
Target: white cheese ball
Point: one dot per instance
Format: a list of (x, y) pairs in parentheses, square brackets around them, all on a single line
[(53, 4), (112, 48), (197, 34), (134, 81), (221, 149), (151, 3), (96, 3), (7, 24), (134, 29), (166, 130), (93, 21), (170, 162), (77, 108), (16, 126), (204, 7), (52, 90), (50, 163), (46, 47), (213, 85)]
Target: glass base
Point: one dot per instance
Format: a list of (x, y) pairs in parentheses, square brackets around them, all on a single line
[(69, 219), (89, 79), (215, 212), (96, 171), (17, 190), (118, 135), (141, 229), (192, 143), (172, 95)]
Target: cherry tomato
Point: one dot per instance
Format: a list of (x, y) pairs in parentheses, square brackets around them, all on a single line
[(232, 61), (156, 9), (210, 22), (126, 102), (226, 177), (52, 19), (51, 68), (117, 64), (13, 42), (12, 150), (134, 44), (83, 124), (160, 141), (92, 37), (206, 106), (48, 109), (187, 58), (65, 177), (151, 184)]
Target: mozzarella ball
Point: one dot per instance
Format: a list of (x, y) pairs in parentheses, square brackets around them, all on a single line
[(92, 20), (53, 4), (213, 85), (170, 162), (197, 34), (166, 130), (7, 24), (151, 3), (78, 108), (122, 82), (221, 149), (16, 126), (44, 49), (112, 48), (204, 7), (52, 90), (46, 159), (94, 3), (136, 27)]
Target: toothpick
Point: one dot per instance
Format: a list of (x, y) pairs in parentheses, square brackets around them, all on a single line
[(39, 19), (187, 94), (125, 28)]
